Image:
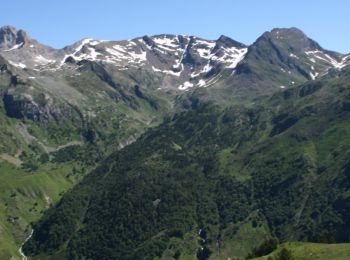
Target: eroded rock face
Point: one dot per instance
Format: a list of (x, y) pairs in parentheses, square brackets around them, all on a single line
[(25, 107), (20, 108), (7, 37), (10, 37)]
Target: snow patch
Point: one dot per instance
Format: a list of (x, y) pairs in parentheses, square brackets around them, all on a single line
[(232, 56), (204, 48), (293, 56), (166, 41), (131, 43), (201, 83), (94, 43), (91, 56), (204, 53), (209, 44), (139, 56), (170, 72), (166, 48), (42, 60), (18, 65), (326, 58), (15, 47), (186, 85), (143, 42), (77, 49), (206, 68), (122, 54), (158, 49), (115, 53), (313, 75), (179, 61), (93, 53), (194, 74), (119, 48)]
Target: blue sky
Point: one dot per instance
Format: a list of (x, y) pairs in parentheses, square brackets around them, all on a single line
[(59, 23)]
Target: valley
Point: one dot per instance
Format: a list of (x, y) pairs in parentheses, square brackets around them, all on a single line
[(173, 147)]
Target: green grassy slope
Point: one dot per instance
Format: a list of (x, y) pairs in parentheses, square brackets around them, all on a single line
[(306, 251), (25, 195)]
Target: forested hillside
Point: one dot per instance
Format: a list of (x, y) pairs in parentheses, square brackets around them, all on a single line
[(215, 182)]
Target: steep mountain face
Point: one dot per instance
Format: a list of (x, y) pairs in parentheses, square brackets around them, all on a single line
[(62, 111), (22, 51), (183, 62), (162, 66), (283, 58), (139, 79), (210, 178), (10, 38)]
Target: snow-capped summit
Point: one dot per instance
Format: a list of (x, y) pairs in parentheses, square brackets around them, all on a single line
[(180, 61)]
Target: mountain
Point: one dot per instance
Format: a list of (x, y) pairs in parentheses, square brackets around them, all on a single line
[(281, 58), (177, 58), (185, 61), (163, 63), (215, 182), (174, 69), (66, 111)]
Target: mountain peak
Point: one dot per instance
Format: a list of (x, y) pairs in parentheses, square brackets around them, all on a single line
[(10, 36), (290, 39), (8, 29), (225, 40), (286, 34), (288, 31)]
